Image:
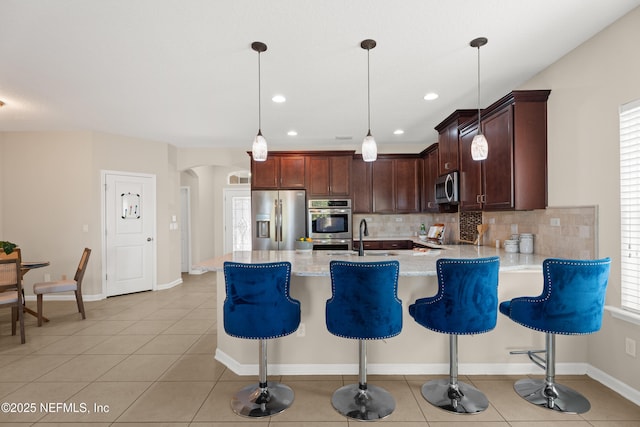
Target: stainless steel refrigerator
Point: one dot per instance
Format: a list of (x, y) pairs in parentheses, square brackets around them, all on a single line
[(279, 218)]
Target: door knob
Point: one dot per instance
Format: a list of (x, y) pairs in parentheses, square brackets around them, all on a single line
[(149, 239)]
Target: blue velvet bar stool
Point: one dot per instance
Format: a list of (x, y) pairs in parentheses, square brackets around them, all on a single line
[(571, 303), (258, 306), (466, 303), (364, 306)]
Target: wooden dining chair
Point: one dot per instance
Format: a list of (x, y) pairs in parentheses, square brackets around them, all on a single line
[(11, 292), (67, 285)]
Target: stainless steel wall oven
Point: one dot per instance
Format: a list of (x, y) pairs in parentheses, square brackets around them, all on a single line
[(329, 223)]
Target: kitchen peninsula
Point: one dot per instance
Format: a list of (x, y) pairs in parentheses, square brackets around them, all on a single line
[(313, 350)]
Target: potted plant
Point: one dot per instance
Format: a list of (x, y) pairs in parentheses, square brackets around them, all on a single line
[(7, 247)]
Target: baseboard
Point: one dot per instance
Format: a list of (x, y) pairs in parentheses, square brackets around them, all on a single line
[(169, 285), (614, 384), (70, 296), (434, 369)]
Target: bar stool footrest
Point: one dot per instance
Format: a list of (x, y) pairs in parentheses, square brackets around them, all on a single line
[(556, 397), (463, 399), (254, 402)]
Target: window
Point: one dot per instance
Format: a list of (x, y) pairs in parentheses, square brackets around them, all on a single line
[(630, 204), (239, 177)]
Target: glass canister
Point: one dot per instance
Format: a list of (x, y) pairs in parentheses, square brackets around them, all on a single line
[(511, 246), (526, 243)]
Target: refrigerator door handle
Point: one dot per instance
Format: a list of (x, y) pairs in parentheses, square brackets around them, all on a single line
[(280, 216), (276, 218)]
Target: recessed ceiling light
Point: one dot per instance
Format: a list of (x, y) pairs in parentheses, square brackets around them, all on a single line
[(431, 96), (398, 132), (292, 133), (278, 98)]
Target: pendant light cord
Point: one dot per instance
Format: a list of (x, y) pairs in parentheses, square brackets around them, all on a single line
[(259, 98), (479, 129), (368, 92)]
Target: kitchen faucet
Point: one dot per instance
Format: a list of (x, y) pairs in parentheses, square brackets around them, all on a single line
[(366, 233)]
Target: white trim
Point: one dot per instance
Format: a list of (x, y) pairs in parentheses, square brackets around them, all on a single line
[(435, 369), (399, 369), (624, 315), (614, 384), (96, 297), (169, 285)]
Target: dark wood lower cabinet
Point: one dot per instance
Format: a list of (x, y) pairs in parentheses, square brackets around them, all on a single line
[(377, 245)]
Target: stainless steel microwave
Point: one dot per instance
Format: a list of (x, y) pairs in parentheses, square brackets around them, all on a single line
[(447, 188)]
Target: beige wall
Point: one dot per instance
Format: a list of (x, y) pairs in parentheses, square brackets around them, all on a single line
[(49, 181), (51, 190), (587, 87)]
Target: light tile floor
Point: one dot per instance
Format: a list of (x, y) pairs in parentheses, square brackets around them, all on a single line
[(147, 359)]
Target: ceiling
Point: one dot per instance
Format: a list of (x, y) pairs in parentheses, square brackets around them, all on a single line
[(183, 72)]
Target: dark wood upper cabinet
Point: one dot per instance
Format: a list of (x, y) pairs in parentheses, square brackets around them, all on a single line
[(383, 184), (361, 186), (448, 154), (470, 176), (430, 173), (280, 170), (408, 174), (514, 175), (329, 175), (396, 184)]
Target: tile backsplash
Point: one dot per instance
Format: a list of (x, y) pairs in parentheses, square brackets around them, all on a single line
[(564, 232)]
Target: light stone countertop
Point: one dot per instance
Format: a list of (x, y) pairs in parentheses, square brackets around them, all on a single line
[(412, 262)]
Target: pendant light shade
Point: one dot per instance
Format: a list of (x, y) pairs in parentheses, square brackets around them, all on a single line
[(369, 147), (259, 148), (479, 145)]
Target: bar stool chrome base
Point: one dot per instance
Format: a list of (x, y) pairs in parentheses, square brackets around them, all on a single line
[(554, 396), (373, 403), (460, 398), (254, 401)]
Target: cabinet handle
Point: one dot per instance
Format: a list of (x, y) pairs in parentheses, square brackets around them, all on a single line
[(478, 198), (447, 165)]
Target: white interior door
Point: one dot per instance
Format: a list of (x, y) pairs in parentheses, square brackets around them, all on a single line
[(130, 229)]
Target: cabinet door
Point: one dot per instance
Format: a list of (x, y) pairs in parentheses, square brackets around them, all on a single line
[(448, 149), (470, 191), (292, 172), (361, 201), (372, 245), (498, 167), (429, 181), (397, 244), (340, 175), (383, 186), (407, 185), (265, 174), (318, 173)]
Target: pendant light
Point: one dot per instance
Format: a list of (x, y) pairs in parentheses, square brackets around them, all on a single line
[(479, 145), (259, 149), (369, 147)]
